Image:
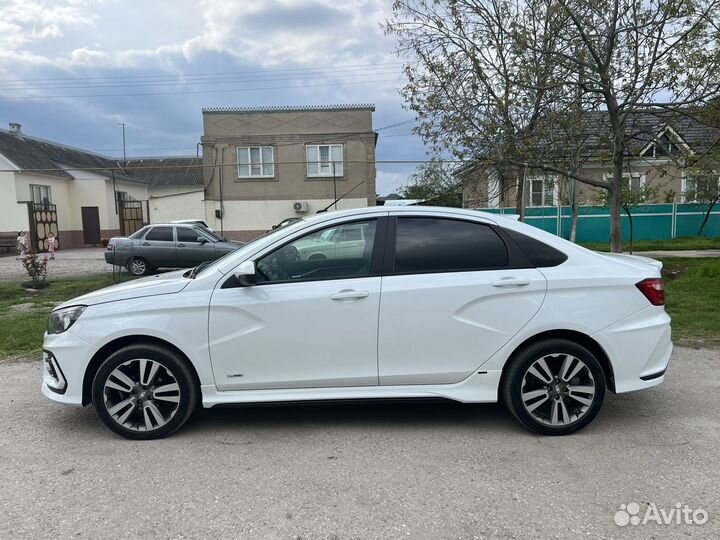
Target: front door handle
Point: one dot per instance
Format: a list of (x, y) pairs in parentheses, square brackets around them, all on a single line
[(349, 295), (181, 245), (511, 282)]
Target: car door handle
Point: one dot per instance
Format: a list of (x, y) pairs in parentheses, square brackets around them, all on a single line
[(146, 243), (511, 282), (181, 245), (349, 295)]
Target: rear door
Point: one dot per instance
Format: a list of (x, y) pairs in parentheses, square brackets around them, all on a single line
[(450, 299), (158, 247)]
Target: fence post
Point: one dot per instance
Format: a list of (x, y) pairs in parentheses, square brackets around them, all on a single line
[(673, 221)]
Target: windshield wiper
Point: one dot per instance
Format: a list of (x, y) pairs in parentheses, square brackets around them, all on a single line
[(194, 272)]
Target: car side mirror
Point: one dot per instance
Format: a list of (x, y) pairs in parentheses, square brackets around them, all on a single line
[(245, 274), (202, 239)]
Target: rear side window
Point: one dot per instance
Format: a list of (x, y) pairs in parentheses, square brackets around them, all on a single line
[(446, 245), (539, 253), (160, 234)]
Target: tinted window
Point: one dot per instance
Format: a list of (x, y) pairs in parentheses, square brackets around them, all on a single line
[(163, 234), (323, 254), (446, 245), (186, 234), (540, 254)]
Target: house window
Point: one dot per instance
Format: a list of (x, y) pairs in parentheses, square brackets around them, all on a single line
[(41, 194), (700, 187), (631, 181), (325, 160), (256, 162), (541, 191)]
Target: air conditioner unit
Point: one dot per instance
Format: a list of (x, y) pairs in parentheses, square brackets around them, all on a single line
[(300, 206)]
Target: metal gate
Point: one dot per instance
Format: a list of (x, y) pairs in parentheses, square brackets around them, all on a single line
[(130, 213), (43, 221)]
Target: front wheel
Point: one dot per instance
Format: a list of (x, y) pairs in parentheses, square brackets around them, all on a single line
[(144, 392), (554, 387)]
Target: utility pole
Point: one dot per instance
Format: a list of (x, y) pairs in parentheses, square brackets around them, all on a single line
[(334, 183), (123, 130)]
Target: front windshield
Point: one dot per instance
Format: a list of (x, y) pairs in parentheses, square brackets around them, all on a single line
[(212, 235), (249, 247)]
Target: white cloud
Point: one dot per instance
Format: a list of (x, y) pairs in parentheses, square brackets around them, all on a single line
[(390, 182)]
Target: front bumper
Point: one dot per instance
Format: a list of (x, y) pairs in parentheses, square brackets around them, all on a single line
[(639, 347), (68, 357)]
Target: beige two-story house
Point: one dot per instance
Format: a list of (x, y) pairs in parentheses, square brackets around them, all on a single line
[(265, 164)]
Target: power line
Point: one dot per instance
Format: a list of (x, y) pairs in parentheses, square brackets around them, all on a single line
[(116, 77), (186, 92), (397, 124), (119, 167), (235, 79)]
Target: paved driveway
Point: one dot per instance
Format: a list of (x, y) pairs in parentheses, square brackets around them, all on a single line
[(67, 263), (363, 471)]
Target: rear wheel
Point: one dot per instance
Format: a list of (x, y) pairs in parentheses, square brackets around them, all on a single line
[(554, 387), (138, 266), (144, 392)]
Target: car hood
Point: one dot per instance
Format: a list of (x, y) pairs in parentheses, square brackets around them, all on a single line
[(167, 283)]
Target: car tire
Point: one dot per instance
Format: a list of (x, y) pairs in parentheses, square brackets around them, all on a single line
[(554, 387), (138, 266), (144, 392)]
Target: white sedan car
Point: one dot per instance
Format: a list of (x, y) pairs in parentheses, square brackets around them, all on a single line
[(439, 303)]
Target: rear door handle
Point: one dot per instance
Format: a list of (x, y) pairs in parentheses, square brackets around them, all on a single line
[(511, 282), (181, 245), (349, 295), (146, 243)]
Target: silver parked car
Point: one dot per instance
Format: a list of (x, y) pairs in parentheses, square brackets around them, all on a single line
[(171, 245)]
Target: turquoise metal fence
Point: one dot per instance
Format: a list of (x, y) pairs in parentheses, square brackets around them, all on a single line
[(650, 221)]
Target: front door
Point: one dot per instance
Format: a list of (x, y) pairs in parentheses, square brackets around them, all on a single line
[(305, 324), (191, 252), (90, 224), (450, 301)]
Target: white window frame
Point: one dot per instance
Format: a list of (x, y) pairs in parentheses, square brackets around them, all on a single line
[(329, 174), (683, 194), (544, 179), (40, 188), (628, 176), (249, 163)]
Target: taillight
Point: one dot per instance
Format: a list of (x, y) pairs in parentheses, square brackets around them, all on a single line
[(654, 290), (110, 247)]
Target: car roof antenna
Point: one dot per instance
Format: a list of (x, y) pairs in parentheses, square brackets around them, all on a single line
[(340, 198)]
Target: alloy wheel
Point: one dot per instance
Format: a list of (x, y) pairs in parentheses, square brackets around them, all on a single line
[(558, 389), (141, 395), (138, 267)]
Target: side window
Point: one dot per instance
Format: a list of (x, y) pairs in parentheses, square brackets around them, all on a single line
[(186, 234), (540, 254), (446, 245), (160, 234), (314, 257)]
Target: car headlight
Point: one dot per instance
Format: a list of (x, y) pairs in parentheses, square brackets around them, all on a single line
[(62, 319)]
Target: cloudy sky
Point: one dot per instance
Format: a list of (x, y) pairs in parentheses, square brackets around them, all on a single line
[(70, 70)]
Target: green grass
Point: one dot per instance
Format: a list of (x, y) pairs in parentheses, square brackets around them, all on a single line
[(692, 296), (676, 244), (21, 330)]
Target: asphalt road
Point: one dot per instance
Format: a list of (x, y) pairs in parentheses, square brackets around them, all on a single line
[(363, 471)]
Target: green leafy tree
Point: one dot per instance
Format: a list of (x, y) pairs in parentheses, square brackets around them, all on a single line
[(434, 184)]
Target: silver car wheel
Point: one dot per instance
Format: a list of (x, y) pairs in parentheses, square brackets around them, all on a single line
[(141, 395), (557, 389), (138, 267)]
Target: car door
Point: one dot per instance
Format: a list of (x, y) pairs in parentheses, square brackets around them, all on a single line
[(191, 252), (158, 246), (306, 323), (450, 300)]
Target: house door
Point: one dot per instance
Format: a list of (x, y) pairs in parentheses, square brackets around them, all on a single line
[(90, 224)]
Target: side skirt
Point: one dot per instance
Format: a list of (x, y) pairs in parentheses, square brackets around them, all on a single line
[(480, 387)]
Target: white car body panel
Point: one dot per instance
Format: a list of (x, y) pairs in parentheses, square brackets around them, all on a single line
[(442, 343)]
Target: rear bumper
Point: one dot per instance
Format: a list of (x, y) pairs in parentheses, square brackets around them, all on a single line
[(639, 348)]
